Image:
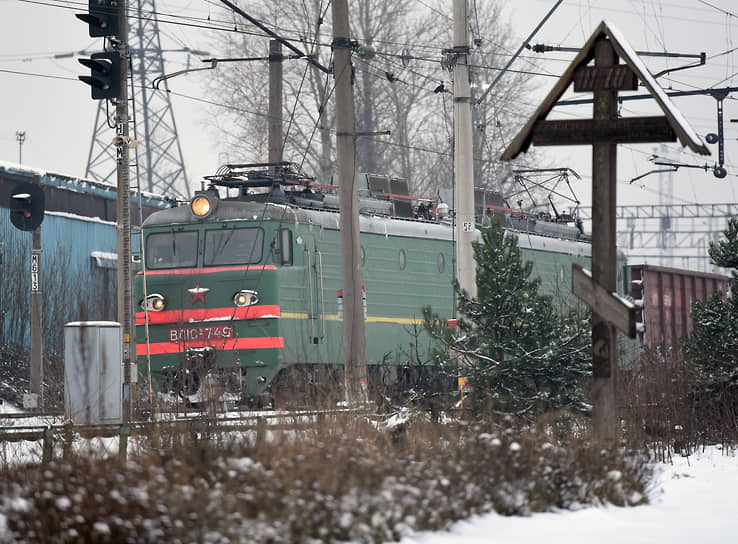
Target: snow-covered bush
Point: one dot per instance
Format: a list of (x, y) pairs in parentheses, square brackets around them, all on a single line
[(343, 481)]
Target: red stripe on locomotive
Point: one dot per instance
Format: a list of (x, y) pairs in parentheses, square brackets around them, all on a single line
[(210, 270), (199, 315), (159, 348)]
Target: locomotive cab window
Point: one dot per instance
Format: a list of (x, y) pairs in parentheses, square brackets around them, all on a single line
[(233, 246), (282, 247), (171, 250)]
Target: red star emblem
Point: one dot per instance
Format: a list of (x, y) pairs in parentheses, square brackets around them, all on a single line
[(198, 293)]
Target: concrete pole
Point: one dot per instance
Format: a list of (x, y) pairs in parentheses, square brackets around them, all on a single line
[(463, 156), (354, 340), (604, 345), (123, 210), (275, 101)]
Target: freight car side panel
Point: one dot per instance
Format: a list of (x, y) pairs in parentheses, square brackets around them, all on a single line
[(665, 296)]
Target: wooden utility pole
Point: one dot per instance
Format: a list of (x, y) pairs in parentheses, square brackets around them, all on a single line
[(275, 101), (354, 340), (123, 211), (464, 220)]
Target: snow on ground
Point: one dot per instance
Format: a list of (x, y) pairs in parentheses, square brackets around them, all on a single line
[(8, 407), (694, 500)]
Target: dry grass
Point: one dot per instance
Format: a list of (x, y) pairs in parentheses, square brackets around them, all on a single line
[(665, 409), (341, 479)]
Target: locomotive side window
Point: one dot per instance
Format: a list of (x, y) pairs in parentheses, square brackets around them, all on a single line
[(171, 249), (233, 246), (282, 247)]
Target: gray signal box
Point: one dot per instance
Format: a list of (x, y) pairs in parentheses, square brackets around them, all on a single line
[(93, 363)]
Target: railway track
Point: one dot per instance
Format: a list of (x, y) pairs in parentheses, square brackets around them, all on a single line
[(17, 427)]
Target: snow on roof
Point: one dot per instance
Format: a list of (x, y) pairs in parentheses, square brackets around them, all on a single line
[(82, 185), (81, 218), (20, 169), (686, 135), (632, 58), (105, 259), (92, 324)]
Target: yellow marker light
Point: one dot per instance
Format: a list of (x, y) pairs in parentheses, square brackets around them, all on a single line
[(246, 297), (154, 303), (200, 206)]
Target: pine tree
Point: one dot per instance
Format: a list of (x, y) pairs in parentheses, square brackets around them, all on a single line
[(712, 347), (725, 252), (510, 343)]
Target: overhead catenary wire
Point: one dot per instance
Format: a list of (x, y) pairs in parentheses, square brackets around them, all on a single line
[(228, 28), (266, 203), (240, 109), (318, 23), (430, 77)]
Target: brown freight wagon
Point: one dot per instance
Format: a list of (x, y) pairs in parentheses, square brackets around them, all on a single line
[(664, 298)]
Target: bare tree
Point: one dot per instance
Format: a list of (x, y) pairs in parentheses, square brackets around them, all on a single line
[(241, 90), (401, 87)]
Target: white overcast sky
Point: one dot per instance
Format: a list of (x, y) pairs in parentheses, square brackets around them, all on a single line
[(42, 96)]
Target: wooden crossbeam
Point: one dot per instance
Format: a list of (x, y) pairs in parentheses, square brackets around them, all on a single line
[(613, 308), (630, 130)]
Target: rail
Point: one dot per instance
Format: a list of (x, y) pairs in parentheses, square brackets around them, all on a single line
[(65, 433)]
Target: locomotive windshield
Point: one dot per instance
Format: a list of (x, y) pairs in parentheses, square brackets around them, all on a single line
[(171, 250), (233, 246)]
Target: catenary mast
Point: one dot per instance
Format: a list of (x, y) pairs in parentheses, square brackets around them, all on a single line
[(463, 154)]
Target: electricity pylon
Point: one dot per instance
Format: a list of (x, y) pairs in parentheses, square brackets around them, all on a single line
[(160, 160)]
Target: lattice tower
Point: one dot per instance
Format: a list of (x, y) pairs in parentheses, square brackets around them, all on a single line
[(159, 156)]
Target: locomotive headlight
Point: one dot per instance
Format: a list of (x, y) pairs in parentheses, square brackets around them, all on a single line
[(246, 297), (204, 203), (201, 205), (154, 303)]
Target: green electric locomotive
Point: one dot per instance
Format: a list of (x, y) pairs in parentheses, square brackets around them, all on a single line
[(241, 289)]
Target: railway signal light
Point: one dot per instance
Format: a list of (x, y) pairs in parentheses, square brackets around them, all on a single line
[(26, 206), (101, 18), (104, 75)]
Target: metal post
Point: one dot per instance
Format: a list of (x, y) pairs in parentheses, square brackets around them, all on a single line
[(604, 273), (463, 156), (123, 209), (36, 363), (275, 101), (21, 137), (354, 340), (48, 445)]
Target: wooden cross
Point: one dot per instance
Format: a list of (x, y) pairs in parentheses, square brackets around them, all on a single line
[(604, 131)]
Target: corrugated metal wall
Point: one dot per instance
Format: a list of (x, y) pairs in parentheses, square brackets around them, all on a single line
[(74, 286)]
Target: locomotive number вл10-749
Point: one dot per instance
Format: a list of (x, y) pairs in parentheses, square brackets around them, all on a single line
[(190, 334)]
